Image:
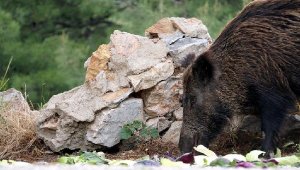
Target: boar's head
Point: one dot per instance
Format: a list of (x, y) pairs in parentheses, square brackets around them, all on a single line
[(204, 114)]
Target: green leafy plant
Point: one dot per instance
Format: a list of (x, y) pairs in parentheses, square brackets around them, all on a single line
[(139, 131), (94, 158)]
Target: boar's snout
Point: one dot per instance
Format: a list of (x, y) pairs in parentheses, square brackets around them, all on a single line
[(186, 144)]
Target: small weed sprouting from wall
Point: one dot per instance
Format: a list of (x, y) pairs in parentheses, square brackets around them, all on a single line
[(4, 80), (136, 133), (139, 131)]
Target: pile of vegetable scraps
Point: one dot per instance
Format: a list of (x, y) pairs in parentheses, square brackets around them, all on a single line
[(208, 158)]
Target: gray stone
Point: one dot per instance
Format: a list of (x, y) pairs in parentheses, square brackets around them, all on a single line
[(116, 81), (164, 97), (133, 54), (178, 114), (161, 28), (60, 133), (161, 123), (100, 83), (182, 36), (173, 134), (105, 130), (172, 38), (191, 27), (151, 77), (63, 121), (13, 101), (108, 82), (82, 102), (184, 46)]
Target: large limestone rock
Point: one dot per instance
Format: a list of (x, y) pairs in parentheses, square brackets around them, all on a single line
[(133, 54), (151, 77), (164, 97), (81, 103), (63, 121), (108, 123)]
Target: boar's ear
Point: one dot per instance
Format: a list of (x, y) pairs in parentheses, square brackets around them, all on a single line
[(189, 59), (203, 69)]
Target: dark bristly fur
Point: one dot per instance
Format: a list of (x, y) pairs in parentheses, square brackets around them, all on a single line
[(253, 67)]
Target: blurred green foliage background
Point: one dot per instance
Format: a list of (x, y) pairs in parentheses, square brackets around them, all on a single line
[(49, 40)]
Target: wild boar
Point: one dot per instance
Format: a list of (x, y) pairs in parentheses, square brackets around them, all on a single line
[(253, 67)]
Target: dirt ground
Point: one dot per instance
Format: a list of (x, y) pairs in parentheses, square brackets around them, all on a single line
[(155, 147), (129, 151)]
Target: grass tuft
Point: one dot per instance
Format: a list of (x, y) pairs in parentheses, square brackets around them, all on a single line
[(18, 139)]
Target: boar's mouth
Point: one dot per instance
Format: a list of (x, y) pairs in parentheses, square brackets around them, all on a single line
[(201, 131), (187, 142)]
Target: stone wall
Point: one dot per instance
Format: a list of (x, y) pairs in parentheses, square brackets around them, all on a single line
[(131, 78)]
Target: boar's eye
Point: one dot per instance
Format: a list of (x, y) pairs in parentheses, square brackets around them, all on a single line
[(184, 99), (189, 99)]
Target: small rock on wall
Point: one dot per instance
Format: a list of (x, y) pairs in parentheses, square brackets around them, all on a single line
[(14, 101), (98, 61), (173, 134), (161, 123), (191, 27), (178, 114)]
